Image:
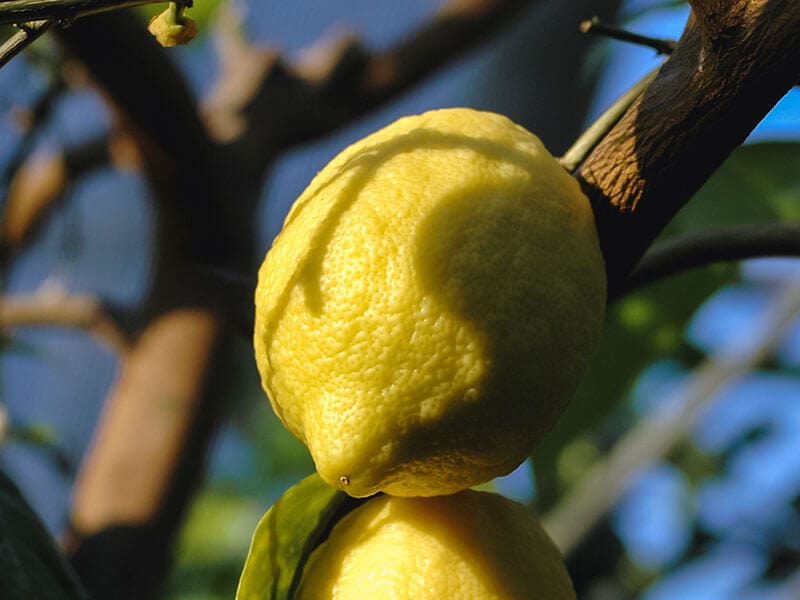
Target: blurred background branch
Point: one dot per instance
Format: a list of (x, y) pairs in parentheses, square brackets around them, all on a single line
[(54, 308), (655, 158), (651, 439)]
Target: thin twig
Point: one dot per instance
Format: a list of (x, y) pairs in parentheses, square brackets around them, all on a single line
[(22, 11), (717, 245), (27, 34), (657, 434), (595, 26), (589, 139)]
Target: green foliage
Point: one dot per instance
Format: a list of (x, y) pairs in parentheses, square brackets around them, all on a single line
[(212, 545), (640, 328), (758, 183), (285, 537), (30, 565)]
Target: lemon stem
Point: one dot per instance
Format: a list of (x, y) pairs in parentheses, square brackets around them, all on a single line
[(176, 12), (595, 133)]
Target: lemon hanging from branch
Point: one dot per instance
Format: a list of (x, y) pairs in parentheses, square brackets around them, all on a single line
[(430, 305)]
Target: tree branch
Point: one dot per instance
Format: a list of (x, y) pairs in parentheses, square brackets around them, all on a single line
[(706, 247), (39, 183), (595, 26), (155, 104), (149, 449), (35, 118), (21, 11), (47, 308), (706, 99)]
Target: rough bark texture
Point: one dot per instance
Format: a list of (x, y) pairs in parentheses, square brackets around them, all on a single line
[(734, 61)]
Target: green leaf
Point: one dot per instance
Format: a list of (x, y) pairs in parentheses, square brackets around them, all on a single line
[(30, 565), (286, 535), (759, 183)]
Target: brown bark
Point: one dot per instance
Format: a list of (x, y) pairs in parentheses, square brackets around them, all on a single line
[(734, 61)]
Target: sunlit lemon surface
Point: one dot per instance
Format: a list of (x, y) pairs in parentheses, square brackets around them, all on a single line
[(430, 304), (469, 546)]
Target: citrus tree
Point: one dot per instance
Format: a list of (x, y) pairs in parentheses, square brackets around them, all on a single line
[(178, 353)]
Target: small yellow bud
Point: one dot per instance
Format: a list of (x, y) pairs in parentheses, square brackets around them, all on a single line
[(172, 27)]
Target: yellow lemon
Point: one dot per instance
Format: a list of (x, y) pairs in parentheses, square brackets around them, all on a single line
[(430, 304), (468, 546)]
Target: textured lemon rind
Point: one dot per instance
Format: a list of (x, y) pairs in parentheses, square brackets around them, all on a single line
[(430, 304)]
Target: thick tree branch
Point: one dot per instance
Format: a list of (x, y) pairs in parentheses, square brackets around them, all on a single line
[(157, 107), (720, 81), (598, 130)]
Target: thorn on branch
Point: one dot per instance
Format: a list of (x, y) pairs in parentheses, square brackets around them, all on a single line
[(657, 434), (595, 26), (295, 103)]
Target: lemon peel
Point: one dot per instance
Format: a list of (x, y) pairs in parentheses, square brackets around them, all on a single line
[(471, 545), (429, 306)]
